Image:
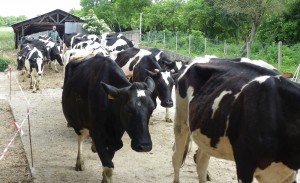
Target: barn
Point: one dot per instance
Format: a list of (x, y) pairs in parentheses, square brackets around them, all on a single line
[(61, 19)]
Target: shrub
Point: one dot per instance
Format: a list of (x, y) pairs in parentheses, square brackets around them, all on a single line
[(4, 62)]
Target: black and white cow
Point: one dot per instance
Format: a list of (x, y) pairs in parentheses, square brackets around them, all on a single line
[(72, 39), (40, 45), (242, 112), (137, 64), (54, 51), (36, 68), (163, 60), (98, 101), (21, 58), (115, 42)]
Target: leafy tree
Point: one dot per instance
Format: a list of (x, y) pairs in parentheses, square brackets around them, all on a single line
[(254, 10), (93, 25)]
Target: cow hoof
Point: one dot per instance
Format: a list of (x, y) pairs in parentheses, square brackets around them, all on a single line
[(93, 148), (169, 120), (79, 167)]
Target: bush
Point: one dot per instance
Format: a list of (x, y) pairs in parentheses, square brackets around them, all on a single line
[(4, 62)]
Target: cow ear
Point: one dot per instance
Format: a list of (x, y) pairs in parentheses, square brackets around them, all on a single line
[(150, 84), (111, 91)]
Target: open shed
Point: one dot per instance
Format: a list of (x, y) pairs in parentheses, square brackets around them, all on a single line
[(44, 22)]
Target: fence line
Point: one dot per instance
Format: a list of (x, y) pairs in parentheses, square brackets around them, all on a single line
[(26, 118), (195, 44)]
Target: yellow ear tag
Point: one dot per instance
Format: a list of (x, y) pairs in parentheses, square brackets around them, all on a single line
[(110, 97)]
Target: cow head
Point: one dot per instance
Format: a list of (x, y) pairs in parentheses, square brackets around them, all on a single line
[(38, 65), (135, 108), (36, 61), (20, 62), (164, 84)]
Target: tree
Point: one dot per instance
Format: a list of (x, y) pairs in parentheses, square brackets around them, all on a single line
[(93, 25), (254, 10)]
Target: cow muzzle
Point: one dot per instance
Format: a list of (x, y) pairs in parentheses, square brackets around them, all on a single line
[(141, 147), (167, 103)]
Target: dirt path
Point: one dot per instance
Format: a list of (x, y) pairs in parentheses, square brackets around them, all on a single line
[(54, 145)]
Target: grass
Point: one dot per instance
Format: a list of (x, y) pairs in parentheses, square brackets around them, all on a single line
[(6, 45)]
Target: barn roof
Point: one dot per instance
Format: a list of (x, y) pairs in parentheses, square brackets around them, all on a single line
[(42, 23)]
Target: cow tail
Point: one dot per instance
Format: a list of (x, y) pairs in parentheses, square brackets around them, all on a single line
[(187, 149)]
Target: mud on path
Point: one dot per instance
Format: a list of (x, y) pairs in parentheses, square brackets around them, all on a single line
[(54, 145)]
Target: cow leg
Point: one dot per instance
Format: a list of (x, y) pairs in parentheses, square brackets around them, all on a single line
[(168, 119), (106, 155), (55, 66), (202, 160), (38, 82), (33, 82), (107, 175), (181, 138), (79, 162), (182, 135), (245, 166)]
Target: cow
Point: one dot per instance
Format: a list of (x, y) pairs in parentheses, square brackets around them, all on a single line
[(21, 58), (137, 64), (54, 51), (72, 39), (40, 45), (98, 101), (163, 60), (115, 42), (242, 112), (36, 67)]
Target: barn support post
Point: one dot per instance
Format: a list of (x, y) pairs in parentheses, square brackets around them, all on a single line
[(279, 54)]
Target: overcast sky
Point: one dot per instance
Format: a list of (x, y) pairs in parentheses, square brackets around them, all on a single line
[(32, 8)]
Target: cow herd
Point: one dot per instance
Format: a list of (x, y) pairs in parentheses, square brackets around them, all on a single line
[(235, 109)]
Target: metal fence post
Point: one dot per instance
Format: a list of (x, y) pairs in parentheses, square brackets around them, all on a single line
[(279, 54), (176, 40), (189, 44), (205, 45), (248, 50)]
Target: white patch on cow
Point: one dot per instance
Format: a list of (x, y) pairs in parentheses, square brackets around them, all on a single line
[(165, 75), (140, 55), (119, 42), (190, 92), (50, 44), (157, 56), (39, 62), (141, 93), (259, 79), (113, 55), (260, 63), (223, 149), (217, 101), (276, 172), (196, 60)]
